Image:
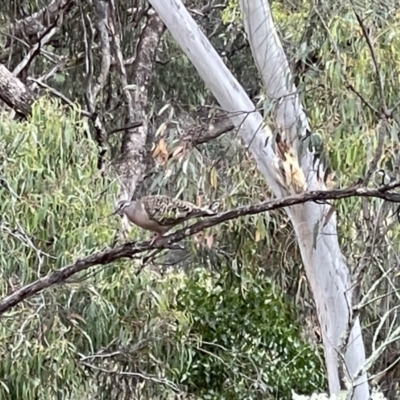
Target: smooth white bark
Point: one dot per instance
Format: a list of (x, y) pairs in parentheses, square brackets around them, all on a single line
[(325, 267), (333, 279)]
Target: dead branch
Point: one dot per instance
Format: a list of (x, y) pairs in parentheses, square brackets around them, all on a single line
[(35, 50), (133, 249), (61, 96), (196, 136), (15, 93), (139, 375), (123, 128), (34, 25)]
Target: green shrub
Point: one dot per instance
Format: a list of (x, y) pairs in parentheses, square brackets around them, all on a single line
[(245, 341)]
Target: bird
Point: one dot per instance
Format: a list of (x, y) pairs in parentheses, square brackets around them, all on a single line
[(160, 213)]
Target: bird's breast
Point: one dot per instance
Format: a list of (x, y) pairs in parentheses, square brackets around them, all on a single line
[(143, 221)]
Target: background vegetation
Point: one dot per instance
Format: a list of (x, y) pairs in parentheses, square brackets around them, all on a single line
[(230, 317)]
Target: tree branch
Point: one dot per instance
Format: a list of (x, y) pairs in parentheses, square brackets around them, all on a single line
[(15, 93), (35, 50), (379, 80), (34, 25), (139, 375), (195, 136), (132, 249)]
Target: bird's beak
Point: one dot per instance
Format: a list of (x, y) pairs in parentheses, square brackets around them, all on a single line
[(116, 212)]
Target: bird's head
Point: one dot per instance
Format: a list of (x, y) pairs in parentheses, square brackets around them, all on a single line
[(122, 206)]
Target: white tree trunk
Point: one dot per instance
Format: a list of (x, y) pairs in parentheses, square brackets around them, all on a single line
[(326, 270), (331, 285)]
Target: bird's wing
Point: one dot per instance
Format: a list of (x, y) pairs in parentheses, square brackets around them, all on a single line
[(168, 211)]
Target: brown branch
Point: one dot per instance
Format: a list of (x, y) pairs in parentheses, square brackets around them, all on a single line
[(384, 109), (123, 128), (34, 25), (15, 93), (362, 98), (211, 124), (155, 379), (196, 138), (132, 249)]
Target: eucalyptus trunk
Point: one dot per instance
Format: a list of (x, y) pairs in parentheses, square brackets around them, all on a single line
[(324, 263), (325, 267)]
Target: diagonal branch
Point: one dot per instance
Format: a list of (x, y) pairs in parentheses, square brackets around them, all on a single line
[(374, 59), (139, 375), (15, 93), (201, 133), (35, 50), (132, 249), (34, 25)]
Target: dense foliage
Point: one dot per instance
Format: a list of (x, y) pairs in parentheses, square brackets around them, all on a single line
[(214, 326), (213, 334), (248, 340)]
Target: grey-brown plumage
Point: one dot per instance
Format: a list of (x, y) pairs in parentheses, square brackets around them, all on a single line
[(161, 213)]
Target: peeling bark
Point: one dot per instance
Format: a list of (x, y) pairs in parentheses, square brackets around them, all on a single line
[(101, 9), (14, 93), (132, 163), (331, 283)]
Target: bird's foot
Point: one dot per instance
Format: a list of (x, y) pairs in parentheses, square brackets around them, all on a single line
[(155, 237)]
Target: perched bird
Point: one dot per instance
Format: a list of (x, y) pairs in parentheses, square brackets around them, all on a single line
[(160, 213)]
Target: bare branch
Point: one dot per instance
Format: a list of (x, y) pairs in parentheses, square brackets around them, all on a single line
[(132, 249), (361, 97), (35, 50), (59, 66), (123, 128), (15, 93), (154, 379), (374, 60), (61, 96), (196, 136), (34, 25)]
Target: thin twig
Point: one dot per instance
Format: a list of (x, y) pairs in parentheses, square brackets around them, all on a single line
[(60, 95), (374, 60), (154, 379)]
